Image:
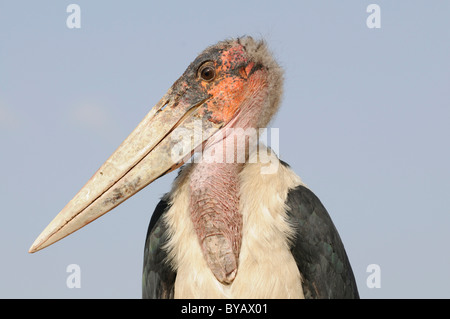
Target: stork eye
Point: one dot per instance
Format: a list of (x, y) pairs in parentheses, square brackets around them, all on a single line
[(207, 72)]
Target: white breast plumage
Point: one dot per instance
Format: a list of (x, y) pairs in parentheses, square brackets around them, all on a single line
[(265, 241)]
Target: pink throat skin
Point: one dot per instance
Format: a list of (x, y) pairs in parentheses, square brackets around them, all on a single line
[(215, 214)]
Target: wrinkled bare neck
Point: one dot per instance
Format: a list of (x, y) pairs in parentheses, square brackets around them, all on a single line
[(216, 217), (214, 189)]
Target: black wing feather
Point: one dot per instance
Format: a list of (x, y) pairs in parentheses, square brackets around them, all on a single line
[(158, 278), (318, 249)]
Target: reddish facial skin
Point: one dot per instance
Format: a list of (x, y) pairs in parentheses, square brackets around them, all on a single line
[(229, 88)]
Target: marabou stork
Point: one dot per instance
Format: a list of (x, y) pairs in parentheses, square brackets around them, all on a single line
[(228, 228)]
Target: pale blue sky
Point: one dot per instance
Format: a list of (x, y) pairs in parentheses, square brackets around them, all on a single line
[(364, 121)]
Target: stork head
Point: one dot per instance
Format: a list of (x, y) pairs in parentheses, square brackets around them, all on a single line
[(234, 76), (234, 83)]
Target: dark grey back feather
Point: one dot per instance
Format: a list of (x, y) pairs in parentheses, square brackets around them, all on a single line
[(158, 278), (318, 249)]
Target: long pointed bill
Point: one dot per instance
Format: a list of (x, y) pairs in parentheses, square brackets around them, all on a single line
[(156, 147)]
